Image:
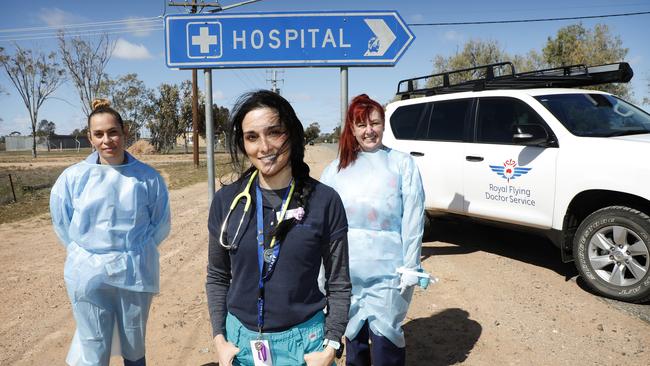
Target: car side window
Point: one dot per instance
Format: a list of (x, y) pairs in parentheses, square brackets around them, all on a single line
[(498, 116), (447, 120), (408, 120), (441, 121)]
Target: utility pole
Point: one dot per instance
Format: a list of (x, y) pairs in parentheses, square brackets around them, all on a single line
[(197, 7), (274, 81), (194, 5)]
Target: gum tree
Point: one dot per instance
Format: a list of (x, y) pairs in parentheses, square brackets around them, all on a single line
[(85, 62), (35, 76)]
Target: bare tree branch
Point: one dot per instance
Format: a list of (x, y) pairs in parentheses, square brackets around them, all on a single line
[(35, 77), (85, 62)]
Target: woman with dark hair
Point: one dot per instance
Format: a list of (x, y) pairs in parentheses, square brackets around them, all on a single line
[(111, 212), (269, 232), (384, 201)]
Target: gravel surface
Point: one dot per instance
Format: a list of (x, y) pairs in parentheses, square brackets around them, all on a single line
[(504, 298)]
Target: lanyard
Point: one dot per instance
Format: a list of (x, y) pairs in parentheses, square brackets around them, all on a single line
[(269, 255)]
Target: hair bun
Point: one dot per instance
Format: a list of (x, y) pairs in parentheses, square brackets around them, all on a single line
[(361, 98), (100, 102)]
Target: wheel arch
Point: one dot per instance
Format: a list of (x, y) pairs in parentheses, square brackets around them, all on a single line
[(587, 202)]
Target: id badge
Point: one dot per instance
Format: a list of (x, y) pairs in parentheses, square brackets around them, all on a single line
[(261, 353)]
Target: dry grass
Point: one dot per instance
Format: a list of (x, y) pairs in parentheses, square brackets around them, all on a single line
[(182, 174), (32, 189), (10, 157), (38, 179)]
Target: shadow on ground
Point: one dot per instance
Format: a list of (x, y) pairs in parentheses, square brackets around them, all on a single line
[(445, 338), (469, 236)]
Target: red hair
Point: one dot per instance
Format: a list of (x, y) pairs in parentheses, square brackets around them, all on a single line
[(359, 110)]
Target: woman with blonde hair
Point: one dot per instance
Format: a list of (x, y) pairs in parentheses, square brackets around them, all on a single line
[(111, 212)]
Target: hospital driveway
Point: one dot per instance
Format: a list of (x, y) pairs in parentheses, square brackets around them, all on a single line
[(503, 298)]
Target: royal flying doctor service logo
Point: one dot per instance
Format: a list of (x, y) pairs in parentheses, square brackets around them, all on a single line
[(509, 170)]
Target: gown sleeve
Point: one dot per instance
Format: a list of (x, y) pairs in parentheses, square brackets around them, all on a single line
[(336, 265), (327, 176), (218, 271), (61, 208), (160, 211), (413, 214)]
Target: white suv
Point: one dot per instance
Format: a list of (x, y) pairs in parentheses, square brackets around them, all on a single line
[(570, 163)]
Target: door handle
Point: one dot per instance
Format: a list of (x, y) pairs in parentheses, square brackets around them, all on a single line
[(417, 153), (473, 158)]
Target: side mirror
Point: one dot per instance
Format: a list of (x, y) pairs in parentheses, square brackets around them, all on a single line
[(529, 135)]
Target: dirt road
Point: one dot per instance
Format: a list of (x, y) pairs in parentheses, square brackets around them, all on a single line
[(504, 298)]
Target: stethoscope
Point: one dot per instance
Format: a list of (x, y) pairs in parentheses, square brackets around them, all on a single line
[(246, 196)]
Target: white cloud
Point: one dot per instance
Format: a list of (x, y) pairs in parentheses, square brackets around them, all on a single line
[(55, 17), (21, 124), (136, 27), (453, 36), (218, 95), (130, 51), (417, 18)]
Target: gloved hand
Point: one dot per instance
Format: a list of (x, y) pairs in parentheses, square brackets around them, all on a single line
[(407, 279)]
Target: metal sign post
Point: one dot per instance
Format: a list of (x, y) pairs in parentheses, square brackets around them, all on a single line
[(344, 95), (209, 131)]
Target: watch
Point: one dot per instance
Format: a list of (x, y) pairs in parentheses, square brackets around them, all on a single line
[(338, 347)]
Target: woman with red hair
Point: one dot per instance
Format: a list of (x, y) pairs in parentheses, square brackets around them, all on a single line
[(383, 197)]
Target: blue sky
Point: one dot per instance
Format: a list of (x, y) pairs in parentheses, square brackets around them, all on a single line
[(314, 92)]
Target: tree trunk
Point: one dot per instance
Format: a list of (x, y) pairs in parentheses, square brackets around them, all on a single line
[(34, 116)]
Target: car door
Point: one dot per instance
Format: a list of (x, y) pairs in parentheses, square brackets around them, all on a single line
[(503, 180), (433, 134)]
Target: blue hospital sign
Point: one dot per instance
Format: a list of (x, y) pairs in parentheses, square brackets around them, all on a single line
[(285, 39)]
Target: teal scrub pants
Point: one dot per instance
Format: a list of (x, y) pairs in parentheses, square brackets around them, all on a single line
[(287, 347)]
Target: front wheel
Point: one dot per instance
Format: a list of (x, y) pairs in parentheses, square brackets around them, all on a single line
[(612, 253)]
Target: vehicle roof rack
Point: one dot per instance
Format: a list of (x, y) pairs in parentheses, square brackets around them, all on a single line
[(502, 75)]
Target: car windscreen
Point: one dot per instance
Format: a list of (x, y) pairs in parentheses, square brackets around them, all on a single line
[(596, 115)]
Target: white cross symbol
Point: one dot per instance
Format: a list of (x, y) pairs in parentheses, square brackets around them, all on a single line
[(204, 40)]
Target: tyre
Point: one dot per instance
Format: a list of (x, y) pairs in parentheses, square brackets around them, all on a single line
[(612, 253)]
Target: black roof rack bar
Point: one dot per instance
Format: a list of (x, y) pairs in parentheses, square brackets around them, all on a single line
[(570, 76), (486, 70)]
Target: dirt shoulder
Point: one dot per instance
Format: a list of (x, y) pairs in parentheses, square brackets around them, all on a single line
[(502, 298)]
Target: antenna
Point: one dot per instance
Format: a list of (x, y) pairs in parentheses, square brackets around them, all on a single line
[(274, 80)]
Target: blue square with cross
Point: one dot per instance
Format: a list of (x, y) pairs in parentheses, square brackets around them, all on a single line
[(204, 40)]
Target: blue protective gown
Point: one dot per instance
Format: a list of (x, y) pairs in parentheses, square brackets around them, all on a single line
[(111, 219), (384, 202)]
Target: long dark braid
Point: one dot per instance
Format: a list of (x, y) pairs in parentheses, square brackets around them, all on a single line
[(302, 191), (295, 142)]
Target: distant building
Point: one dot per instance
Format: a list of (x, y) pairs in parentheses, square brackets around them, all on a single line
[(56, 142)]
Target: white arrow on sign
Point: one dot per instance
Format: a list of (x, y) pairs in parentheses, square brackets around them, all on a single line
[(384, 37)]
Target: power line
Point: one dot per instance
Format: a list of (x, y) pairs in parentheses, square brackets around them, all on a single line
[(72, 32), (529, 20), (95, 32), (80, 25), (129, 25)]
